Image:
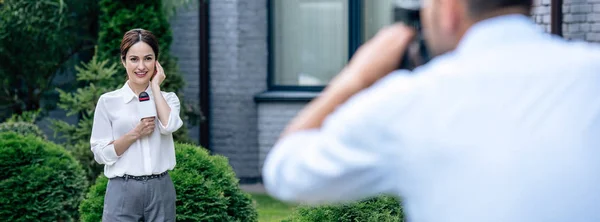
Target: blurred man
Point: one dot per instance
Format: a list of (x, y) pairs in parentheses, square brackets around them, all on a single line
[(500, 126)]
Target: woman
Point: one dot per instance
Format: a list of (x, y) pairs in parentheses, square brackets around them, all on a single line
[(137, 156)]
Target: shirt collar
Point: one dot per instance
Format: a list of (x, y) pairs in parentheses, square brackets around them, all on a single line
[(498, 30), (127, 93)]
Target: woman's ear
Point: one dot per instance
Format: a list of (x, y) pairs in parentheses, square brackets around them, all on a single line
[(155, 69)]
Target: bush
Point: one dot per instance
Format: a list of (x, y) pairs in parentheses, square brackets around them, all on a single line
[(39, 180), (91, 208), (22, 128), (381, 208), (206, 186), (28, 116)]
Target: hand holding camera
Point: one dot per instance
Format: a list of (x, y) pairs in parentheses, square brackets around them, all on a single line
[(400, 46), (379, 56), (409, 13)]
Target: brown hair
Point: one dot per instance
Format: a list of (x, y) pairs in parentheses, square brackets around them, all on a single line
[(134, 36)]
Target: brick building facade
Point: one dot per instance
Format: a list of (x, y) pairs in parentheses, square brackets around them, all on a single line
[(580, 18)]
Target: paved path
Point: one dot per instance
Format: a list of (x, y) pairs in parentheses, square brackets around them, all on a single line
[(253, 188)]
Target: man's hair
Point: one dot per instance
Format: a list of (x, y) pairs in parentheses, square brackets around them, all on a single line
[(478, 8)]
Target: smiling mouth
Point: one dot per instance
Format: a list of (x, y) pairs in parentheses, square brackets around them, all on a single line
[(140, 74)]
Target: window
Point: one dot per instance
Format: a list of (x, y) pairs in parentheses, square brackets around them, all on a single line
[(312, 40)]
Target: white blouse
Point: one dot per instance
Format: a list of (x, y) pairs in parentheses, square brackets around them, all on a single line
[(115, 116)]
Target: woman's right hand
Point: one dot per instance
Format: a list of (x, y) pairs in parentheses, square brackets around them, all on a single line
[(144, 128)]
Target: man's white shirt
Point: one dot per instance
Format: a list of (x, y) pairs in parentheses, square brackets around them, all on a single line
[(503, 128)]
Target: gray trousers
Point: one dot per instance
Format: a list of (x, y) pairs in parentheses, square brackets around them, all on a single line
[(135, 200)]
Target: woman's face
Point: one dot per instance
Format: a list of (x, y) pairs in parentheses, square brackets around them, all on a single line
[(140, 63)]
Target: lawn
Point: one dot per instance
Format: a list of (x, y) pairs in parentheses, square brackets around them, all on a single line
[(271, 210)]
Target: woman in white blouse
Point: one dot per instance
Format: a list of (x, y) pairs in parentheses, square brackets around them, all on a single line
[(137, 153)]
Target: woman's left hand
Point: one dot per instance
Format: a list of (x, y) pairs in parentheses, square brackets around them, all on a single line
[(160, 76)]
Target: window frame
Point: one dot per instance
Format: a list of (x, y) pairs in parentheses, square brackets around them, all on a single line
[(355, 29)]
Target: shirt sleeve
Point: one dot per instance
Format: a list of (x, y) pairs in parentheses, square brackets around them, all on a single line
[(102, 137), (352, 156), (174, 122)]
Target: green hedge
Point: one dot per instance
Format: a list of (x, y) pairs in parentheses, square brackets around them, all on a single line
[(22, 128), (377, 209), (91, 208), (39, 180), (206, 186)]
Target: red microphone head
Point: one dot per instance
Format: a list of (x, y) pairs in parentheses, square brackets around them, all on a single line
[(144, 97)]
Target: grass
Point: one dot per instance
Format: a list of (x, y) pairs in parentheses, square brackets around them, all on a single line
[(271, 210)]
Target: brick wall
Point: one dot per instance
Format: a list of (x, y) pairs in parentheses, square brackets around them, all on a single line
[(186, 47), (540, 13), (238, 71), (273, 117), (581, 18)]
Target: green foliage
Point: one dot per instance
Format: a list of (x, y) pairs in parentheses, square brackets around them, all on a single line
[(37, 37), (271, 209), (98, 77), (381, 208), (206, 187), (83, 154), (92, 206), (27, 116), (39, 180), (22, 128), (171, 6)]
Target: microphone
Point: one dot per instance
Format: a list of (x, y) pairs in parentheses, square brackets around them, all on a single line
[(146, 107)]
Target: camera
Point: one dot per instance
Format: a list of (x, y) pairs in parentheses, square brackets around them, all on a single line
[(416, 54)]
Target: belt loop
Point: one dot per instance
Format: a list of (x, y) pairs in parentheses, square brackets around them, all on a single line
[(126, 177)]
